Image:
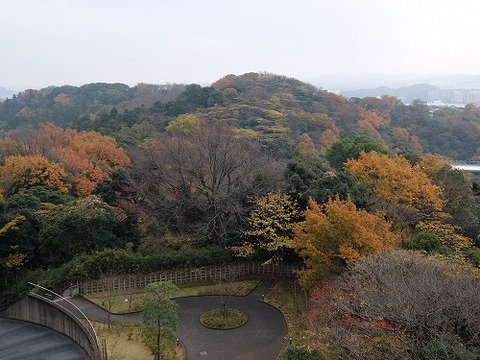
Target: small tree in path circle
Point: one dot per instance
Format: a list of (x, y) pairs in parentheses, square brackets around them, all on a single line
[(160, 316)]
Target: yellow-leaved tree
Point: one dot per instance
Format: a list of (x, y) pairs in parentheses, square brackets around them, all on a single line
[(404, 193), (430, 164), (409, 196), (270, 224), (185, 124), (455, 243), (22, 172), (337, 234)]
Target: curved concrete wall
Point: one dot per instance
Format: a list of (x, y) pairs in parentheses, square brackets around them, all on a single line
[(37, 310)]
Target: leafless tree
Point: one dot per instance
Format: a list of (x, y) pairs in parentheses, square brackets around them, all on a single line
[(201, 183), (405, 305)]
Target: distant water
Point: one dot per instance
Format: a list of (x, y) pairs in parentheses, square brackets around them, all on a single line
[(467, 167), (442, 104)]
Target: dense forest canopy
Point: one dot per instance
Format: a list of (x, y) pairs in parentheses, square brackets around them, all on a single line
[(192, 160), (278, 110), (107, 179)]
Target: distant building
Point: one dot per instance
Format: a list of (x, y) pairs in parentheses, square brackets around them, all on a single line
[(454, 96)]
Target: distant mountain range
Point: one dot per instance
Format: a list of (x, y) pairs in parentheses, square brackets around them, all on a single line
[(450, 90), (4, 93), (424, 92), (406, 94), (340, 83)]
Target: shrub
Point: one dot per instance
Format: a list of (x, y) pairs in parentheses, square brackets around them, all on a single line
[(119, 261), (427, 242), (473, 255), (402, 305)]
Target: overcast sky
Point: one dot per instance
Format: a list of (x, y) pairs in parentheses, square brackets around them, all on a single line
[(58, 42)]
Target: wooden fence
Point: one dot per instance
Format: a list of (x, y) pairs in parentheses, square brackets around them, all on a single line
[(213, 273)]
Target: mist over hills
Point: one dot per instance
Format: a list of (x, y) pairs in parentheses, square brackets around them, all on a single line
[(4, 93), (340, 83), (424, 92), (451, 90)]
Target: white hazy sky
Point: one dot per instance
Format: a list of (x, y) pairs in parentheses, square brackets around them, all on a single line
[(58, 42)]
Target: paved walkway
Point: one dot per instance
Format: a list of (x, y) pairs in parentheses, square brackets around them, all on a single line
[(262, 338)]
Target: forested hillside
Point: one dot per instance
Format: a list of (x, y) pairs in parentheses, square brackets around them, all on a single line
[(107, 179), (280, 111), (63, 105)]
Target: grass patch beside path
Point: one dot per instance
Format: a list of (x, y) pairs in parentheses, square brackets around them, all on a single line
[(237, 288), (119, 346), (290, 299), (130, 300), (124, 342)]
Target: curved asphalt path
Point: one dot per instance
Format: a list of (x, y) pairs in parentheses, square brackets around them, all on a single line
[(261, 338)]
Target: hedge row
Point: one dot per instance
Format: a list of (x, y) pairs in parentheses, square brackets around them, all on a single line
[(118, 261)]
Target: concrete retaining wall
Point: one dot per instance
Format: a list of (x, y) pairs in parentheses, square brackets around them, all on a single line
[(37, 310)]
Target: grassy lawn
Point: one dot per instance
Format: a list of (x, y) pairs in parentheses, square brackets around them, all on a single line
[(124, 342), (131, 300)]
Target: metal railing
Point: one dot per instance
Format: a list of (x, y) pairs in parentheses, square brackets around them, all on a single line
[(69, 308)]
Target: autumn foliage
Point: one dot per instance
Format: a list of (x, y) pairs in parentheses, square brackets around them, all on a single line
[(338, 234), (270, 224), (212, 165), (21, 172), (393, 179), (397, 305), (60, 159), (409, 196), (403, 192)]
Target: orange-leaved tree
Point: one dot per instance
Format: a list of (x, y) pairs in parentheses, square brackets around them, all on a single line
[(87, 157), (430, 164), (90, 157), (338, 234)]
